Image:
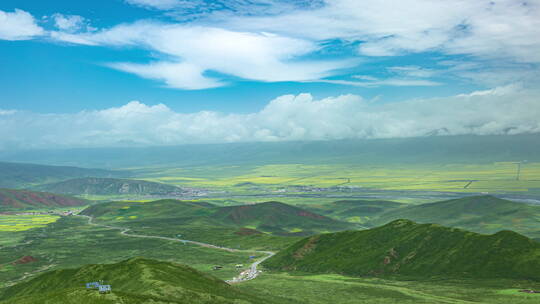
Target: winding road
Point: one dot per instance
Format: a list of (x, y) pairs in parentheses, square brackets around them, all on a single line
[(249, 274)]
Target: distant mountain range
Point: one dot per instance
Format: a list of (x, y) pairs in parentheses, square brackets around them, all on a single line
[(109, 186), (22, 175), (11, 199), (132, 281), (405, 248)]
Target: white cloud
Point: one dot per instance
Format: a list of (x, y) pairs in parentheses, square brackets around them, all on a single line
[(503, 110), (18, 25), (195, 50), (159, 4), (7, 112), (484, 28), (374, 82), (68, 23)]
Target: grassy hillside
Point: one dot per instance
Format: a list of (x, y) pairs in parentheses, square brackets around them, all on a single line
[(278, 217), (11, 199), (359, 211), (484, 214), (259, 226), (19, 175), (405, 248), (108, 186), (136, 280)]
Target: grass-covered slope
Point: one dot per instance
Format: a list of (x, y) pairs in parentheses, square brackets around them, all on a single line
[(484, 214), (11, 199), (277, 216), (356, 210), (19, 175), (136, 280), (405, 248), (108, 186)]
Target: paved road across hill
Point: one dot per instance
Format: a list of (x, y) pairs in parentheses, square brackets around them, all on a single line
[(249, 274)]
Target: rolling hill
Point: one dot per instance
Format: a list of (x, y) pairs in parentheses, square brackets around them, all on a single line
[(109, 186), (276, 216), (483, 214), (405, 248), (11, 199), (136, 280), (269, 226), (20, 175), (272, 217)]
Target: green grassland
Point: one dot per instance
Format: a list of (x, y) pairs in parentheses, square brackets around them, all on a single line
[(71, 242), (136, 280), (334, 288)]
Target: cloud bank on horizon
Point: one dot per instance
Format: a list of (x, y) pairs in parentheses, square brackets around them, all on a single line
[(276, 41), (503, 110)]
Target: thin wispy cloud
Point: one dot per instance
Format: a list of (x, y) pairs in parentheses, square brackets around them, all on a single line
[(274, 41)]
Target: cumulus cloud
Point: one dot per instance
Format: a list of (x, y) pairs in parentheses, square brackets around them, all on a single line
[(68, 23), (502, 110), (18, 25)]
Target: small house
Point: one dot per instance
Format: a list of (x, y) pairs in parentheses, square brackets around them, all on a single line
[(239, 266), (92, 285), (104, 288), (217, 267)]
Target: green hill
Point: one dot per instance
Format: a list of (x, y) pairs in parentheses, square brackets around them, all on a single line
[(20, 175), (356, 210), (276, 216), (405, 248), (270, 225), (484, 214), (136, 280), (11, 199), (272, 217), (109, 186)]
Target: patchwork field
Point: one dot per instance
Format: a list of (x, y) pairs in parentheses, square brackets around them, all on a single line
[(9, 223), (499, 177)]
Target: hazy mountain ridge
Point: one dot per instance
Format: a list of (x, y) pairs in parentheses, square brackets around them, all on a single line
[(109, 186), (429, 149), (20, 175)]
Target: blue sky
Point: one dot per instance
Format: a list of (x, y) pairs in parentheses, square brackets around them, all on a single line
[(235, 58)]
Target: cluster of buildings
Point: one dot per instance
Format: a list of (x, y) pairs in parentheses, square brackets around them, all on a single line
[(99, 286)]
